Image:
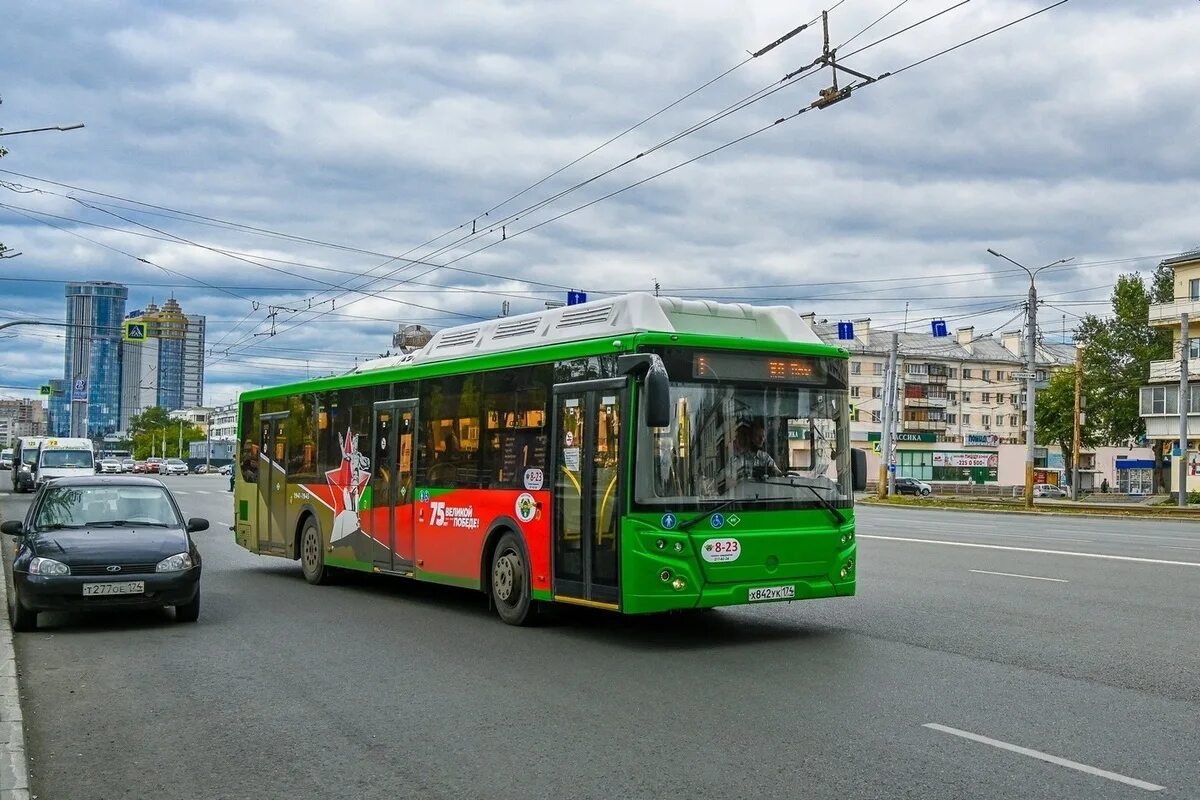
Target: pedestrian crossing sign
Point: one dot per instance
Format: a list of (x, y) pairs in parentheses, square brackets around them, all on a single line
[(135, 331)]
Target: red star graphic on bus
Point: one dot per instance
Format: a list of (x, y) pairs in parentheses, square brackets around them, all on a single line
[(348, 480)]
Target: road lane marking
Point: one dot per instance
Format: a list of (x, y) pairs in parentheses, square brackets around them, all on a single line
[(202, 491), (1015, 575), (1032, 550), (180, 491), (1062, 762)]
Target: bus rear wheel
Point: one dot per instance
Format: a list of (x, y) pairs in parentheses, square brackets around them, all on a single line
[(510, 581), (312, 554)]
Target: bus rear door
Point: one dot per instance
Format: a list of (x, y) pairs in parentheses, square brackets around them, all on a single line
[(389, 518), (272, 483)]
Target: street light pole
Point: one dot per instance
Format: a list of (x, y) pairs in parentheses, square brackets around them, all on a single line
[(1030, 370)]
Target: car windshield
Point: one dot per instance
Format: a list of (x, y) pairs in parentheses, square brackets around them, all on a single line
[(762, 446), (94, 506), (63, 459)]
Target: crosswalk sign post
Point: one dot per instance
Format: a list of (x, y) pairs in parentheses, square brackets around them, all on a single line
[(135, 331)]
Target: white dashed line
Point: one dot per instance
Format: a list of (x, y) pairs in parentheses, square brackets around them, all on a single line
[(1015, 575), (1062, 762), (1076, 554)]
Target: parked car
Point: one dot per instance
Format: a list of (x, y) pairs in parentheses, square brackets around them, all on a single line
[(153, 465), (1048, 490), (201, 469), (128, 464), (225, 469), (913, 486), (110, 466), (173, 466), (97, 541)]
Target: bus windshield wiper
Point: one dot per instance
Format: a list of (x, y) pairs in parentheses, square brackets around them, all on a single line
[(825, 504), (705, 515)]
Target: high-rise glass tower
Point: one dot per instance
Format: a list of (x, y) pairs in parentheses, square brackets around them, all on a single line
[(193, 362), (92, 363), (171, 330)]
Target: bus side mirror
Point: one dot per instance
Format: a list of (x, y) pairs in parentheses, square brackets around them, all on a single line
[(858, 469), (656, 385)]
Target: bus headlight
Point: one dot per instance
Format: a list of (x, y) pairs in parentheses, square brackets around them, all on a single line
[(679, 583)]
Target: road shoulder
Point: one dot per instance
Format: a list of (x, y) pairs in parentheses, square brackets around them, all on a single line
[(14, 768)]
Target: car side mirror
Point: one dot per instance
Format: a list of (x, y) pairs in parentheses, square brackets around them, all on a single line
[(858, 469), (197, 524), (12, 527)]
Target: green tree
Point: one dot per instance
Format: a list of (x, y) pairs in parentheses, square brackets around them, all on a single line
[(1056, 417), (155, 433), (1117, 352)]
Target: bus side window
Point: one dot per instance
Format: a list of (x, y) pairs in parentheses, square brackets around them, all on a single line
[(515, 420), (249, 454)]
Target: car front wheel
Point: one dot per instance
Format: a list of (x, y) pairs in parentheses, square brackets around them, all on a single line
[(22, 618), (189, 612)]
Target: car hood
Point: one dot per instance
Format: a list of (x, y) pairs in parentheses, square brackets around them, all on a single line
[(110, 545)]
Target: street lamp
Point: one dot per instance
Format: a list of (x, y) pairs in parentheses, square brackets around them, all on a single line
[(74, 127), (1030, 368)]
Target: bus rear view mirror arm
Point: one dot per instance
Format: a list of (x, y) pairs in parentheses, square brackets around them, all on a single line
[(655, 384)]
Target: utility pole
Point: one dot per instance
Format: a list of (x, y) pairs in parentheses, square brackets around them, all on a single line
[(1078, 427), (887, 418), (180, 452), (1030, 392), (1184, 343), (1030, 369)]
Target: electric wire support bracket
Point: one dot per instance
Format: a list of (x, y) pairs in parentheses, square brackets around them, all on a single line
[(833, 93)]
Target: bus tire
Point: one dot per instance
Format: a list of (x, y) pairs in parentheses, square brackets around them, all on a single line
[(312, 554), (510, 584)]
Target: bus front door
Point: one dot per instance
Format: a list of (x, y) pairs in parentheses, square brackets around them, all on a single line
[(588, 491), (389, 520), (272, 483)]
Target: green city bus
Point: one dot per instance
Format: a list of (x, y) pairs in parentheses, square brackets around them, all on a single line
[(637, 454)]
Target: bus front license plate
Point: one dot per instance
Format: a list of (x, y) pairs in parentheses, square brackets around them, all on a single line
[(126, 587), (772, 593)]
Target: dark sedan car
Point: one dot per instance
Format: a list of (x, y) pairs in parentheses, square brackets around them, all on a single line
[(94, 542)]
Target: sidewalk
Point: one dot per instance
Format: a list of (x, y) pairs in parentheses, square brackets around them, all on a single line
[(14, 772)]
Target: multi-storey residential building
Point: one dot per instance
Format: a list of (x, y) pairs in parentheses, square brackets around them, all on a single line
[(198, 416), (92, 361), (1160, 397), (222, 425), (170, 327), (21, 418), (958, 403), (139, 369), (193, 361)]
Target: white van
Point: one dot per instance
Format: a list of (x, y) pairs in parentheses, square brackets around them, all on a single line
[(64, 458), (24, 460)]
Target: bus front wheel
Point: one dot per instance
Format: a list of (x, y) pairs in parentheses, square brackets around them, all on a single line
[(312, 554), (510, 581)]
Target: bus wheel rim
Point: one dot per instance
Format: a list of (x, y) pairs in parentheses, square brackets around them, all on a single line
[(506, 578), (310, 550)]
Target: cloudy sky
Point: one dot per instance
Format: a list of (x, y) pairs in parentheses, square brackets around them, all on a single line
[(291, 156)]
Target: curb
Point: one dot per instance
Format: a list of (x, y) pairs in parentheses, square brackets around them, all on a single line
[(14, 770), (985, 510)]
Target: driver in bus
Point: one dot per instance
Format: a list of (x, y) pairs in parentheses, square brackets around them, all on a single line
[(751, 458)]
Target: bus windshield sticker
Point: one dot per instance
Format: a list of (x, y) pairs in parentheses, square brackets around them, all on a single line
[(534, 479)]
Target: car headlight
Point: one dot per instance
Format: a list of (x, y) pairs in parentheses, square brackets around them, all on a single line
[(175, 563), (47, 566), (24, 468)]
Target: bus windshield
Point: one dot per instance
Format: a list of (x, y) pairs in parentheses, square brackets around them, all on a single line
[(64, 459), (763, 447)]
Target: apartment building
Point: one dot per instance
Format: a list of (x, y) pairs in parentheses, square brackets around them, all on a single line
[(958, 401), (1159, 402), (21, 418)]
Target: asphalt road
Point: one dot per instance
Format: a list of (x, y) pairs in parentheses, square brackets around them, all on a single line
[(383, 688)]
